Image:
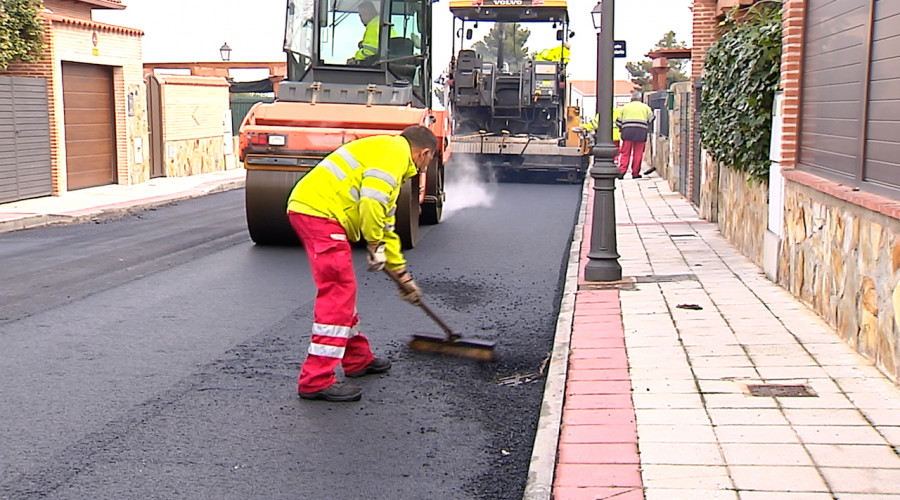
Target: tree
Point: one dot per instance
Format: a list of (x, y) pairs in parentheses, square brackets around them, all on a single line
[(640, 71), (514, 39), (21, 32)]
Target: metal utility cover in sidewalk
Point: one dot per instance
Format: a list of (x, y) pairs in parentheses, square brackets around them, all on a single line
[(781, 390)]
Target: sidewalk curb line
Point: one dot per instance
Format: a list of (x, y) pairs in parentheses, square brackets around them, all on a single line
[(49, 219), (542, 469)]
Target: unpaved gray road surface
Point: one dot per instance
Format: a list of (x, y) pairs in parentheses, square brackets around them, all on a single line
[(155, 355)]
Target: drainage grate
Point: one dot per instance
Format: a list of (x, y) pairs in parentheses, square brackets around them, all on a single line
[(781, 390), (683, 235), (665, 278)]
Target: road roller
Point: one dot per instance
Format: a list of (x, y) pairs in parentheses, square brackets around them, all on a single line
[(353, 71)]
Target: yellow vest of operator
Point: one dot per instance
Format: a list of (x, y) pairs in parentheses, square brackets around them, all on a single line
[(357, 185), (369, 45), (556, 54)]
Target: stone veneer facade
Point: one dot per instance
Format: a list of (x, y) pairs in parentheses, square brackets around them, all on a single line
[(743, 211), (844, 261)]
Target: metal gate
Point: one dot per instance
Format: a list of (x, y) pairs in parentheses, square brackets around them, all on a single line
[(240, 106), (697, 165), (659, 100), (684, 143), (24, 139)]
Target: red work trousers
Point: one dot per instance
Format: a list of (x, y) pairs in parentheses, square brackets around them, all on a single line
[(631, 152), (335, 333)]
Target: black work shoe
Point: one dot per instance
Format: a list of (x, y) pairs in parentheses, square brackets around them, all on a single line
[(378, 365), (621, 175), (638, 176), (650, 170), (338, 392)]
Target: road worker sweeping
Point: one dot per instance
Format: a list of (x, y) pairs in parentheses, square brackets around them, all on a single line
[(351, 195)]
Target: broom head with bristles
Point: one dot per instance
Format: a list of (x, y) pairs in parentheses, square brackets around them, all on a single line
[(480, 350)]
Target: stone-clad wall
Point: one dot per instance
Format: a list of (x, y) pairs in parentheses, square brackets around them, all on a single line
[(195, 156), (743, 211), (844, 261), (709, 189)]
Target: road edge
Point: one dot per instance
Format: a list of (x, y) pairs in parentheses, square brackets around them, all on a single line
[(539, 485)]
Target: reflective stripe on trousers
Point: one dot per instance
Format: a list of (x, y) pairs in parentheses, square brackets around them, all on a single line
[(335, 333)]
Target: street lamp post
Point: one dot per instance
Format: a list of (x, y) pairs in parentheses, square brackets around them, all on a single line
[(225, 52), (603, 259)]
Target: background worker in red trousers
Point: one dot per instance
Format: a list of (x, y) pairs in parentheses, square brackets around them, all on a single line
[(351, 195), (634, 124)]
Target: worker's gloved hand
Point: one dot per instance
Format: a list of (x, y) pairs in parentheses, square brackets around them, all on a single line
[(376, 257), (409, 290)]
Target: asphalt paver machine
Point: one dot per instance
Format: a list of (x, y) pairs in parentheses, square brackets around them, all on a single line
[(509, 107)]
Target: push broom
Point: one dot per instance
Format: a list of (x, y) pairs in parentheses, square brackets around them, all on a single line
[(451, 344)]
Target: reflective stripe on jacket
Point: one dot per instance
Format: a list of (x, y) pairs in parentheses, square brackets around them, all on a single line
[(358, 185), (634, 121)]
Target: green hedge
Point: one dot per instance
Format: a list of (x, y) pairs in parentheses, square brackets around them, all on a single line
[(21, 32), (741, 75)]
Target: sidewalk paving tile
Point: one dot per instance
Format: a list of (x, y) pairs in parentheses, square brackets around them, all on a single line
[(855, 455), (610, 475), (756, 434), (863, 480), (784, 495), (672, 433), (680, 453), (766, 454), (838, 434), (777, 478), (699, 477), (691, 494), (597, 493)]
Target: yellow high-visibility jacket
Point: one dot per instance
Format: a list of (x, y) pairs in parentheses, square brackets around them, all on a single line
[(556, 54), (634, 121), (369, 44), (591, 125), (357, 185)]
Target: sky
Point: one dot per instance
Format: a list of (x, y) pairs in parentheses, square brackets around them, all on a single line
[(193, 30)]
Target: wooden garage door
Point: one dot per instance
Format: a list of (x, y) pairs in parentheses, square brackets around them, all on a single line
[(90, 130), (851, 94)]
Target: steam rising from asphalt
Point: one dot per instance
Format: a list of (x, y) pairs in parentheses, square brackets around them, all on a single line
[(467, 187)]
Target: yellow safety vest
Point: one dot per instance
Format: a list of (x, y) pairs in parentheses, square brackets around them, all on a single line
[(358, 185), (556, 54), (369, 44), (635, 114), (591, 125)]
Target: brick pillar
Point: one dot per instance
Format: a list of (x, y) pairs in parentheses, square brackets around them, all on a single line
[(793, 21), (705, 13)]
